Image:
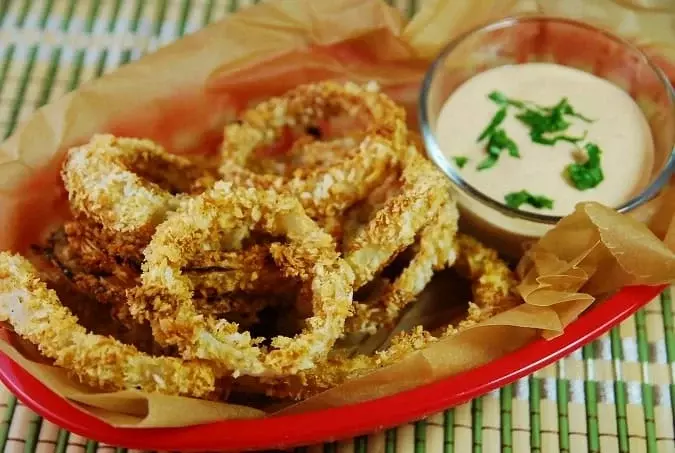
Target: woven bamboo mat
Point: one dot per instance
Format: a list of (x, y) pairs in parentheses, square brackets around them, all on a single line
[(614, 395)]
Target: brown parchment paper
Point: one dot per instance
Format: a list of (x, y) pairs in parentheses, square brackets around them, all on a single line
[(183, 94)]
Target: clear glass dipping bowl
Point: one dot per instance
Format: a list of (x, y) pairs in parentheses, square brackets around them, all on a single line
[(574, 44)]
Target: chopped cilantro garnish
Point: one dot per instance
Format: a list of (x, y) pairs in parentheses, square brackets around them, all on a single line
[(498, 142), (588, 174), (460, 161), (500, 99), (516, 199), (548, 126), (538, 137), (494, 123)]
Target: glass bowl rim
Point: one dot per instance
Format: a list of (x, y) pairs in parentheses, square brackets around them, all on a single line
[(437, 156)]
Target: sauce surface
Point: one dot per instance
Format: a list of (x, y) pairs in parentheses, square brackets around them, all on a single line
[(618, 128)]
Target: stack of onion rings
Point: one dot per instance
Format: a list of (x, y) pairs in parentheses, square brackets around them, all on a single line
[(220, 219), (329, 190), (251, 280)]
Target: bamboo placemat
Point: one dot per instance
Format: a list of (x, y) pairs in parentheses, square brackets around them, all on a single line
[(614, 395)]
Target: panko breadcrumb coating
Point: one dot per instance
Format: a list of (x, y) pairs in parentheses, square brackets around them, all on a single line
[(219, 218), (126, 185), (326, 190), (493, 288), (36, 314), (247, 283)]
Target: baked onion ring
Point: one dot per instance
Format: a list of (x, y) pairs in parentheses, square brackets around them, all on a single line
[(325, 191), (126, 186), (217, 220), (435, 251), (36, 314), (394, 227), (493, 289)]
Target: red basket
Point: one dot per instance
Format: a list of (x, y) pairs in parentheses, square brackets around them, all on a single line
[(337, 423)]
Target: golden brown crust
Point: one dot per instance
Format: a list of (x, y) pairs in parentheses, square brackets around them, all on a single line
[(222, 217), (36, 314), (322, 190)]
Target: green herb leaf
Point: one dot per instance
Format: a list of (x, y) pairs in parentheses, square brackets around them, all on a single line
[(500, 98), (494, 123), (488, 162), (569, 110), (538, 137), (460, 161), (589, 174), (498, 142), (516, 199)]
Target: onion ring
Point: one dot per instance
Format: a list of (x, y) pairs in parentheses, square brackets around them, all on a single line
[(395, 226), (93, 272), (215, 220), (493, 288), (436, 251), (323, 191), (37, 315), (109, 182)]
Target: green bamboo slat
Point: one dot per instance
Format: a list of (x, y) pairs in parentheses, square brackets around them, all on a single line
[(4, 8), (449, 431), (7, 421), (62, 441), (7, 61), (208, 13), (33, 433), (647, 390), (68, 16), (100, 64), (506, 422), (361, 444), (620, 392), (535, 414), (46, 11), (669, 333), (562, 394), (477, 424), (421, 436), (48, 84), (591, 401), (232, 6), (114, 16), (23, 13), (133, 28), (91, 446), (21, 91), (91, 17), (159, 17), (390, 441), (184, 14)]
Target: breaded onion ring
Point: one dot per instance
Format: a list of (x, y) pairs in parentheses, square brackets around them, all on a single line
[(325, 191), (216, 220), (493, 289), (37, 315), (395, 226), (219, 278), (126, 186), (434, 252)]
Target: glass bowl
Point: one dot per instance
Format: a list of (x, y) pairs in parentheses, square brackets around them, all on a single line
[(529, 39)]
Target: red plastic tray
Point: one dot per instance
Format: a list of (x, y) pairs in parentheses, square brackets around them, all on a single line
[(338, 423)]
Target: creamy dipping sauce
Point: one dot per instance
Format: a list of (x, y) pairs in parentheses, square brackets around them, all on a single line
[(617, 127)]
